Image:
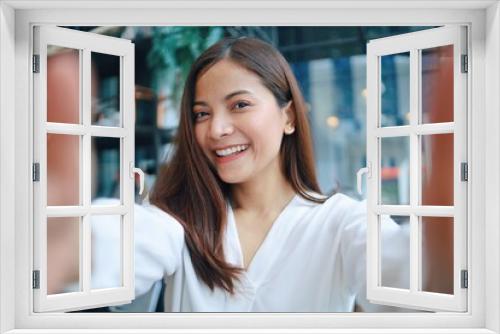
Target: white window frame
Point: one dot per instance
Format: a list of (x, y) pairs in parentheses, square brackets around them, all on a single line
[(414, 43), (85, 43), (16, 19)]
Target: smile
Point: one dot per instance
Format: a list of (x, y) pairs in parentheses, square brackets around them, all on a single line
[(231, 150)]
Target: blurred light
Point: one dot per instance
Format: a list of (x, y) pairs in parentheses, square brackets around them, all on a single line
[(333, 121), (364, 93), (407, 116)]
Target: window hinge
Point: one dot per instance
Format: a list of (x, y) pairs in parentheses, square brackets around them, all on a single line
[(36, 279), (465, 279), (465, 64), (36, 172), (464, 171), (36, 63)]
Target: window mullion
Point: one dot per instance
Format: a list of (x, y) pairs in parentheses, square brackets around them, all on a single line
[(414, 170), (103, 131), (435, 128), (420, 210), (420, 129), (127, 115), (85, 177)]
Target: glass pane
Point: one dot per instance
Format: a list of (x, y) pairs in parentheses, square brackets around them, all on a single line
[(437, 84), (395, 89), (394, 248), (63, 85), (105, 168), (437, 169), (63, 255), (437, 254), (106, 251), (105, 90), (63, 169), (394, 170)]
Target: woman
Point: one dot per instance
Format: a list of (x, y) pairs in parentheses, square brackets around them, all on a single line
[(245, 224), (238, 223)]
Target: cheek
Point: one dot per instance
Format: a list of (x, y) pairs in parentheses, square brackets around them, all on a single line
[(268, 130), (272, 123)]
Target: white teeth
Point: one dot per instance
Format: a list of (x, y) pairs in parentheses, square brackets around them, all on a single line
[(231, 150)]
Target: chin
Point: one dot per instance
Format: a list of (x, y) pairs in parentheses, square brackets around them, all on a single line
[(231, 178)]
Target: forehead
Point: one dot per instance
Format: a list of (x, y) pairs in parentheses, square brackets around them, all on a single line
[(224, 76)]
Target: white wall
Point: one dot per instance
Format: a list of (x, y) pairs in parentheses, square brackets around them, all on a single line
[(7, 165), (493, 166)]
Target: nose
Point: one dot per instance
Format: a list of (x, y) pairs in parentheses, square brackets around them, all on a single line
[(221, 126)]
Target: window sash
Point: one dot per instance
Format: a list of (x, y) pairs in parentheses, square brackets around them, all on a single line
[(413, 43), (86, 43)]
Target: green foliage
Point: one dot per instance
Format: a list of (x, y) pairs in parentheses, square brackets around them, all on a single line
[(172, 53)]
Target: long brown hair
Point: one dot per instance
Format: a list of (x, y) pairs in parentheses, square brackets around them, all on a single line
[(189, 188)]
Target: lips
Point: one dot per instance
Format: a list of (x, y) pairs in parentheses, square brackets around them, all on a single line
[(230, 150), (230, 153)]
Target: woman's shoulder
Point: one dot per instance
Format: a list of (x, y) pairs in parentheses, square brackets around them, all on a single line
[(153, 215), (338, 200), (337, 207)]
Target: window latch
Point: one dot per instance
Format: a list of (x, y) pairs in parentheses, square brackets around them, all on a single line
[(365, 170), (138, 171)]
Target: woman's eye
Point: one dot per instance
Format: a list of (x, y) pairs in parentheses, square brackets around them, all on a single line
[(241, 105), (199, 115)]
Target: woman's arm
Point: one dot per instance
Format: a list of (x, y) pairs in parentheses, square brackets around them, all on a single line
[(158, 243)]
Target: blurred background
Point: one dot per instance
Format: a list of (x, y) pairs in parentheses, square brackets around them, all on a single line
[(330, 65)]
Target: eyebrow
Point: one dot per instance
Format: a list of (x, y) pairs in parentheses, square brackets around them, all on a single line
[(227, 97)]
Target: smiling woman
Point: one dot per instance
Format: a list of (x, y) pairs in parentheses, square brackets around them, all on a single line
[(238, 97), (259, 235)]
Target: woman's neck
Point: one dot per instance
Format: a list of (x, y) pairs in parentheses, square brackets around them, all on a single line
[(264, 194)]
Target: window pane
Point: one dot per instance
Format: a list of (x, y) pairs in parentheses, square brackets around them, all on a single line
[(105, 167), (63, 85), (63, 170), (395, 89), (437, 169), (63, 254), (394, 249), (437, 84), (437, 254), (394, 170), (106, 251), (105, 90)]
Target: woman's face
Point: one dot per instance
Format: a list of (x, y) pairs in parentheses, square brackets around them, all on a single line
[(238, 123)]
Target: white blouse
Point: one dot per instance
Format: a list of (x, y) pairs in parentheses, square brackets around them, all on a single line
[(313, 259)]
